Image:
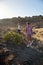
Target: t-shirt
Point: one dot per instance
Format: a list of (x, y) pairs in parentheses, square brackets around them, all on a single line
[(28, 30), (19, 27)]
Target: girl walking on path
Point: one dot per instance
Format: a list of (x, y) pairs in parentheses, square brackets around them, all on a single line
[(29, 34)]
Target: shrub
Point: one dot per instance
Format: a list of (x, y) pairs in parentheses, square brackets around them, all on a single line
[(13, 38)]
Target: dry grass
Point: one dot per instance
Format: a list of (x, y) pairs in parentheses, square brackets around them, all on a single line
[(39, 33)]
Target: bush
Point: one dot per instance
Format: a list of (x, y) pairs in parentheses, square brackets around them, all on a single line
[(13, 38)]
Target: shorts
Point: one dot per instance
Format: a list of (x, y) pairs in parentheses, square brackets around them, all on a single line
[(28, 35), (19, 31)]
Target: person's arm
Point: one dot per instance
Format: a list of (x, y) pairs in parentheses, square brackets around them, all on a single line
[(31, 28), (26, 29)]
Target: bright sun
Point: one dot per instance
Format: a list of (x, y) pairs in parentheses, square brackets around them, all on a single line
[(5, 12)]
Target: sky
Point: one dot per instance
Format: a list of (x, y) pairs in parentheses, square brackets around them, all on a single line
[(15, 8)]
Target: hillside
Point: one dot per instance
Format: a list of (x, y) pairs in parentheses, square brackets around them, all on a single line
[(34, 20), (21, 55)]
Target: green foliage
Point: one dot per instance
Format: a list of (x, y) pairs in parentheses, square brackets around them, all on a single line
[(13, 38)]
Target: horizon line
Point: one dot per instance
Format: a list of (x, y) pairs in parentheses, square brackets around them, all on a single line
[(19, 16)]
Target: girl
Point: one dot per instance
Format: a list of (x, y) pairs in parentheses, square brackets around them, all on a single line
[(29, 33)]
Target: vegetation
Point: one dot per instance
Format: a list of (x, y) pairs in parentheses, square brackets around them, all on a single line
[(13, 38)]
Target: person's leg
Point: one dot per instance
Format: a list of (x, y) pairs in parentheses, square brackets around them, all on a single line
[(30, 38), (29, 41)]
